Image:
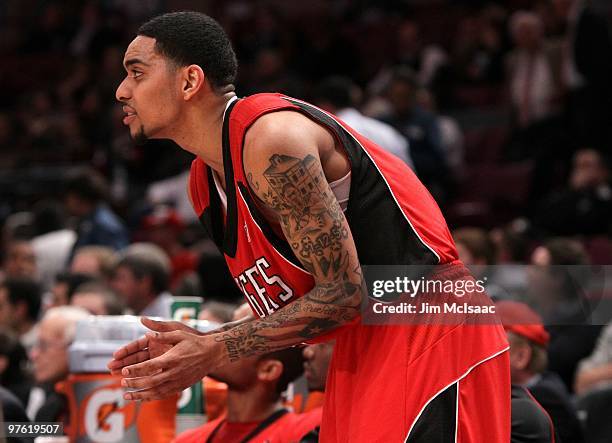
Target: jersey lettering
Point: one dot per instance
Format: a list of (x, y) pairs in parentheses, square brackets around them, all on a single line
[(263, 291)]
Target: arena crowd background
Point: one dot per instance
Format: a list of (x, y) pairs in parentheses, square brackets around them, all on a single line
[(505, 106)]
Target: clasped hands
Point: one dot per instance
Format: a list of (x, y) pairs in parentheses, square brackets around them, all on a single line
[(168, 359)]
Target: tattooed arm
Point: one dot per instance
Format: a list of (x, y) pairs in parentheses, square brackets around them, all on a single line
[(282, 158), (284, 169)]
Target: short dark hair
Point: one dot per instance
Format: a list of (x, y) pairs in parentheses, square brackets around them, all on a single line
[(87, 184), (190, 37), (17, 356), (24, 290), (73, 280), (143, 266), (478, 242), (293, 365)]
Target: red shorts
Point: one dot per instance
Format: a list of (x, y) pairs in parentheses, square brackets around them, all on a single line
[(418, 383)]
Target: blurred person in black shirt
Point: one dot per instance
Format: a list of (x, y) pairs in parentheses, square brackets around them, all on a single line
[(20, 302), (14, 375), (557, 283), (585, 206), (86, 197), (421, 129), (528, 370)]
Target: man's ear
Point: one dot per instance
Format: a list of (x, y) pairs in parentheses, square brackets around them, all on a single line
[(3, 363), (269, 370), (192, 81), (523, 356)]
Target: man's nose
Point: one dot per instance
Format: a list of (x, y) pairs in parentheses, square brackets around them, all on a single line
[(122, 94)]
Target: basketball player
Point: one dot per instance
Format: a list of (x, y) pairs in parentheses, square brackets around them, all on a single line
[(297, 201)]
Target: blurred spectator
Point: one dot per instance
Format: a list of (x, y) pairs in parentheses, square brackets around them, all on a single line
[(532, 81), (97, 298), (171, 192), (474, 246), (477, 53), (141, 279), (420, 128), (86, 199), (528, 363), (511, 244), (477, 250), (12, 411), (316, 363), (14, 374), (64, 287), (20, 301), (585, 206), (595, 371), (255, 385), (20, 260), (271, 74), (451, 135), (50, 361), (530, 423), (587, 69), (53, 242), (557, 283), (96, 261), (411, 51), (340, 96), (218, 312), (163, 227)]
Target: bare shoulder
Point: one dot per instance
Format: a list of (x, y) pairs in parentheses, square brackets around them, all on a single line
[(287, 131)]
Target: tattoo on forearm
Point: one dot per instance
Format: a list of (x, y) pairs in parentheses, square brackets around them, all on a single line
[(314, 225)]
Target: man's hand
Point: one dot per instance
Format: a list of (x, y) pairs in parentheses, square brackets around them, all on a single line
[(165, 361), (145, 348), (189, 359)]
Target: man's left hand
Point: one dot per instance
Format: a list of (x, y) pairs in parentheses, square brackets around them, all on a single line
[(189, 358)]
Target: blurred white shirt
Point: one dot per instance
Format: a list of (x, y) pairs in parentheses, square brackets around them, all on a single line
[(380, 133)]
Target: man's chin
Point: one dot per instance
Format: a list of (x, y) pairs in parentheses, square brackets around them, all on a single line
[(140, 138)]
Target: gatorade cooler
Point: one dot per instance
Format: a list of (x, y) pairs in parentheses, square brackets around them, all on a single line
[(98, 412)]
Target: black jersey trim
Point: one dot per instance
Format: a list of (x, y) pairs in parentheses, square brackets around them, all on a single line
[(345, 138), (231, 221), (211, 218)]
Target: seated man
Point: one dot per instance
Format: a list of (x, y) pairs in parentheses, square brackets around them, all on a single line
[(255, 410), (545, 392), (50, 361), (316, 363), (20, 302)]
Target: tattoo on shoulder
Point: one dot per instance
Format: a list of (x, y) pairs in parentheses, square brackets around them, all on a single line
[(314, 225)]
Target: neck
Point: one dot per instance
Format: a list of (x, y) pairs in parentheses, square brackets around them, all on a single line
[(199, 130), (251, 405)]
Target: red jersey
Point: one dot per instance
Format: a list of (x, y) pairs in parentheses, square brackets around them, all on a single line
[(290, 428), (393, 221)]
